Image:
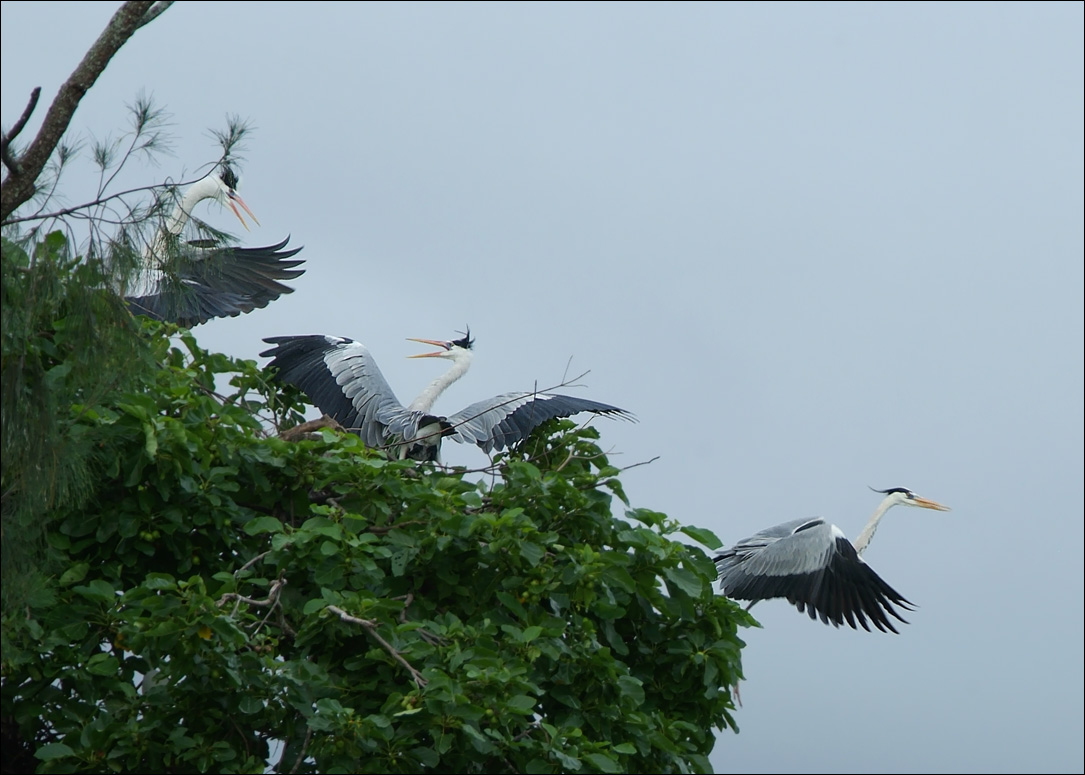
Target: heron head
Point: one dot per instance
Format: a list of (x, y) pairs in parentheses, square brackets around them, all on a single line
[(455, 349), (904, 497), (226, 193)]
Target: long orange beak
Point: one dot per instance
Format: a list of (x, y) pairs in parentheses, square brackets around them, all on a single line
[(926, 503), (233, 197), (435, 342)]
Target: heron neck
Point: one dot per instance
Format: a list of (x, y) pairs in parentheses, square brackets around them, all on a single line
[(197, 192), (864, 538), (427, 397)]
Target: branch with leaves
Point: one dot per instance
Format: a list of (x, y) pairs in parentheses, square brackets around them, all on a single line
[(25, 168)]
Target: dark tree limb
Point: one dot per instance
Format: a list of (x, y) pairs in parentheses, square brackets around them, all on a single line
[(305, 431), (23, 172), (7, 137), (155, 11)]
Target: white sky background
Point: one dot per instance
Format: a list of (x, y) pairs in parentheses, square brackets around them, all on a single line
[(813, 247)]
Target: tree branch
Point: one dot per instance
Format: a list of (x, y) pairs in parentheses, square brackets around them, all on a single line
[(19, 185), (301, 753), (304, 432), (371, 627), (271, 599), (5, 140), (154, 12)]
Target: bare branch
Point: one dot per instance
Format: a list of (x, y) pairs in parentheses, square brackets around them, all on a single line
[(8, 159), (647, 462), (302, 432), (271, 599), (301, 753), (384, 529), (19, 185), (18, 127), (97, 202), (5, 140), (252, 562), (371, 628), (154, 12)]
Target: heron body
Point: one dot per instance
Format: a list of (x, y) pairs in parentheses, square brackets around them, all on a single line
[(341, 377), (189, 283), (811, 564)]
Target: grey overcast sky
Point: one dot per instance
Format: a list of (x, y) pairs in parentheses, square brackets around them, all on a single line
[(814, 247)]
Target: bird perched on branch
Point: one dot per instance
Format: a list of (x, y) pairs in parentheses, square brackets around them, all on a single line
[(189, 283), (342, 379)]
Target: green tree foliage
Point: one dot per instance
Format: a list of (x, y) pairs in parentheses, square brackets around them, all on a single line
[(65, 343), (227, 600)]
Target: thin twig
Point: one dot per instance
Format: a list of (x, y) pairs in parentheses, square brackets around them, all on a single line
[(18, 126), (304, 748), (407, 600), (384, 529), (252, 562), (649, 461), (371, 628), (300, 432), (271, 599)]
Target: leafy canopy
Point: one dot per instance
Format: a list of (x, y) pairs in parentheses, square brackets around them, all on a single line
[(225, 600)]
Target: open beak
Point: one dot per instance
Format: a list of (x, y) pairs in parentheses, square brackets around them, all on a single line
[(435, 342), (232, 198), (929, 504)]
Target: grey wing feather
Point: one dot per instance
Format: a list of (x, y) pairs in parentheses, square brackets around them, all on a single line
[(342, 379), (815, 567), (509, 418), (201, 284)]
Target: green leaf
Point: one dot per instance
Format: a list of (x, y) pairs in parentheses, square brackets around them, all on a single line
[(249, 705), (532, 552), (150, 445), (97, 591), (74, 574), (511, 603), (399, 562), (632, 688), (427, 757), (160, 581), (703, 536), (103, 664), (472, 500), (521, 703), (51, 751), (603, 762), (683, 580), (263, 525)]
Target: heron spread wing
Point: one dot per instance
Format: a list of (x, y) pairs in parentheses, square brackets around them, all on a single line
[(814, 566), (507, 419), (343, 380), (340, 376), (201, 283)]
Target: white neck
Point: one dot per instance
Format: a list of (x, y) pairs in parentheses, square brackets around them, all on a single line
[(863, 540), (207, 188), (461, 362)]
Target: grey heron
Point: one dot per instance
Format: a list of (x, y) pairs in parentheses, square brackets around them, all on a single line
[(342, 379), (189, 283), (811, 563)]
